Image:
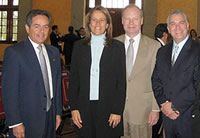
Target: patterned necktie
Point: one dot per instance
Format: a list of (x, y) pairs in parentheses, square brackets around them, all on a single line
[(129, 57), (45, 76), (174, 57)]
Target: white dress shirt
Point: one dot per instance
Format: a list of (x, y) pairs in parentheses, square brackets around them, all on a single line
[(180, 45), (135, 45), (161, 41)]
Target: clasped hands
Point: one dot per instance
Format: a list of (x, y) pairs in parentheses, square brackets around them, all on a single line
[(167, 110), (113, 121)]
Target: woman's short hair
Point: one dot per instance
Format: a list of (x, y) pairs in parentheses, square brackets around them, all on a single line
[(109, 22)]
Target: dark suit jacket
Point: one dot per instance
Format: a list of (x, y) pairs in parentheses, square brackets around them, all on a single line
[(54, 38), (177, 84), (23, 90), (69, 40), (112, 89)]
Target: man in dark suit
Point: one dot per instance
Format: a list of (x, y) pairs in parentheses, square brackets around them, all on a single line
[(31, 82), (161, 33), (55, 37), (175, 76), (69, 40)]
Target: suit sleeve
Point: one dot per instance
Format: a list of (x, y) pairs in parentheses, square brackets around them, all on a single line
[(10, 87), (157, 83), (58, 90), (74, 83), (119, 98), (155, 106)]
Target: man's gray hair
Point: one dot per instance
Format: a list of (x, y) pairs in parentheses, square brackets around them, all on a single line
[(177, 12)]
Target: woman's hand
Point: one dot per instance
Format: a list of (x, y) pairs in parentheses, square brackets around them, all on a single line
[(76, 117), (114, 120)]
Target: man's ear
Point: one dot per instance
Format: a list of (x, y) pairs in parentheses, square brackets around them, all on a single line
[(27, 28)]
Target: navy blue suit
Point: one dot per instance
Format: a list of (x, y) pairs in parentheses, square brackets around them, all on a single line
[(23, 90), (177, 84)]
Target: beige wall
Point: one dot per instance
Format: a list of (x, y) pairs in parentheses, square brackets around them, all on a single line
[(149, 8), (190, 7), (78, 13), (60, 11)]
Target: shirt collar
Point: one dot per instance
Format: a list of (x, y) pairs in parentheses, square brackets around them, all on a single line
[(181, 44), (35, 45), (136, 38), (161, 41)]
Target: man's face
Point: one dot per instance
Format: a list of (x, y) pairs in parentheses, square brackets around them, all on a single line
[(39, 29), (82, 32), (178, 27), (132, 21)]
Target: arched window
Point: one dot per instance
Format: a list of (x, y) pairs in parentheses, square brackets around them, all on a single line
[(8, 21), (115, 7), (115, 3)]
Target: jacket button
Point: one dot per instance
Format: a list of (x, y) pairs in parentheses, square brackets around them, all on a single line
[(44, 109)]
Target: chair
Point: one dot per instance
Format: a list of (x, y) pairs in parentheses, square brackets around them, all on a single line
[(65, 101), (3, 128)]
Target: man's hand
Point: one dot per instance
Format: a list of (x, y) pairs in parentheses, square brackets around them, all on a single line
[(58, 121), (19, 131), (76, 117), (153, 118), (114, 120), (166, 108)]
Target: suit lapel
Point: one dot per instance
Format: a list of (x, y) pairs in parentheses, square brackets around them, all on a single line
[(140, 58), (31, 56), (168, 56), (52, 61), (182, 54), (33, 61)]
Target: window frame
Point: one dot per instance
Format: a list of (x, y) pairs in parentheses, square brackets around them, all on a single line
[(98, 2), (10, 8)]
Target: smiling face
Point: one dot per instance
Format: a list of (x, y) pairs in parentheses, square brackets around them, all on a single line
[(98, 23), (132, 21), (39, 29), (178, 27)]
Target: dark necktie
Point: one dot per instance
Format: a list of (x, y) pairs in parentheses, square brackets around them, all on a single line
[(45, 76), (129, 57)]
